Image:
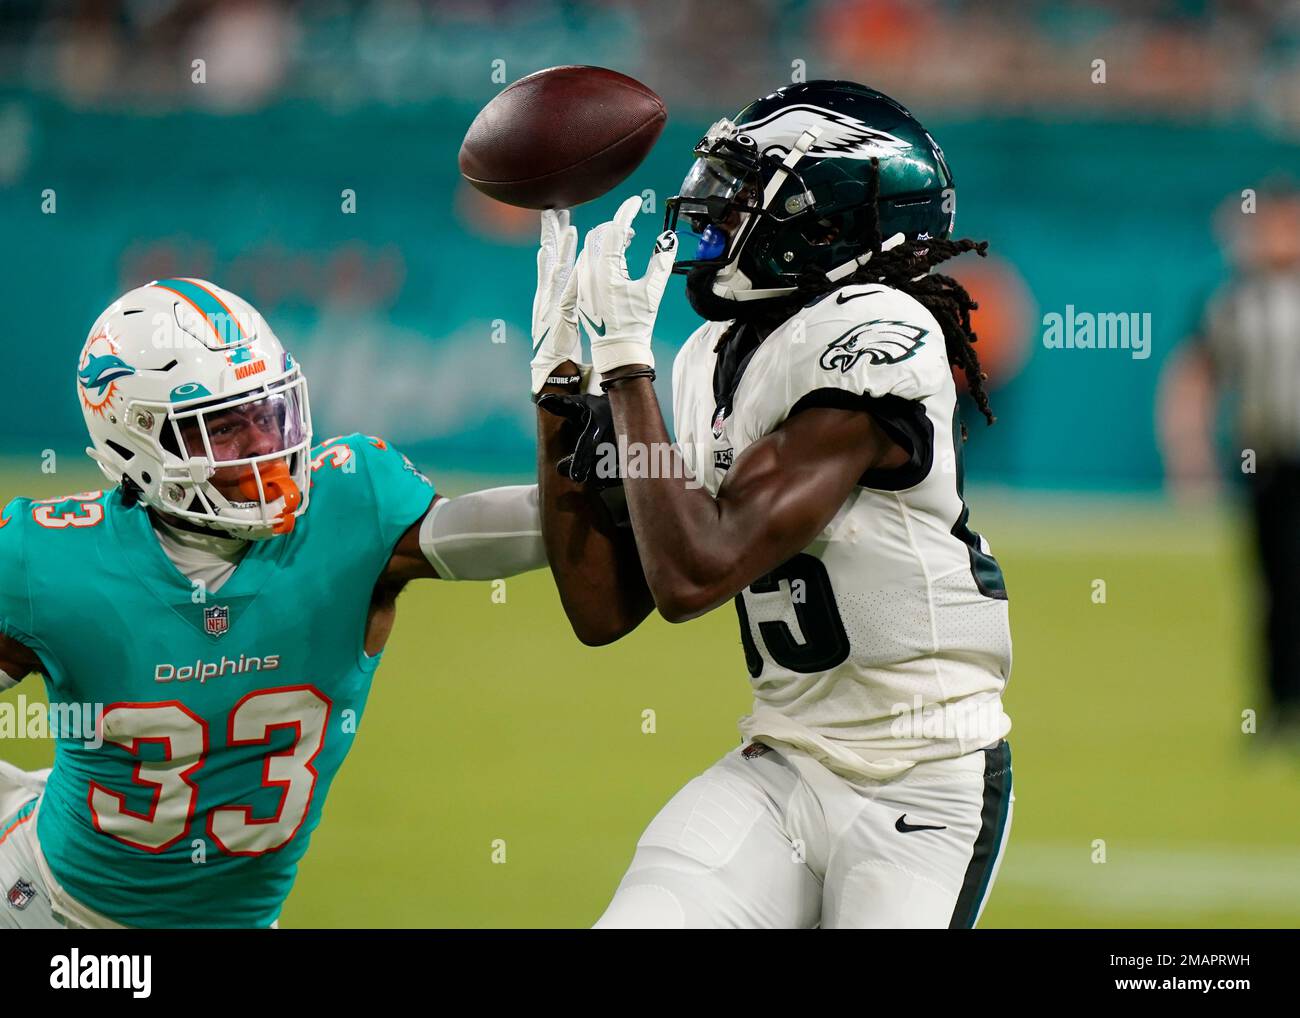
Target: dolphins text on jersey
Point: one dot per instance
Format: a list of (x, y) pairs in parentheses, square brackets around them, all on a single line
[(228, 703)]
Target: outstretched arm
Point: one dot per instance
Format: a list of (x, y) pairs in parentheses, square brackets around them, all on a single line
[(484, 535), (500, 532), (595, 563)]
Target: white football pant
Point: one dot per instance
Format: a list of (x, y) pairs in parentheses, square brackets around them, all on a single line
[(774, 839)]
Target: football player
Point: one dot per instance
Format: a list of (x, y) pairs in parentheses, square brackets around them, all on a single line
[(817, 408), (226, 635)]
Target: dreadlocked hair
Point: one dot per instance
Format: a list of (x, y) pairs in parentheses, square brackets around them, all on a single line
[(907, 268)]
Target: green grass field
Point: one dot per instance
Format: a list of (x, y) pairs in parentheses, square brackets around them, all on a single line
[(489, 721)]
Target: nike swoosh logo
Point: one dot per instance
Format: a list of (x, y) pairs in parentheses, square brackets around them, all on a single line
[(599, 330), (542, 338), (903, 827), (841, 299)]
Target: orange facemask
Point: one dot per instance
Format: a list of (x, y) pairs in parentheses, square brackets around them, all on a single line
[(276, 483)]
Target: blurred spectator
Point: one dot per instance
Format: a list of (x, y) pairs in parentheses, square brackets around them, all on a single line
[(1247, 346), (1189, 59)]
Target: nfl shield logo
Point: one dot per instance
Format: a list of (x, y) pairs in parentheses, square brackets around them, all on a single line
[(21, 894), (216, 620), (720, 422)]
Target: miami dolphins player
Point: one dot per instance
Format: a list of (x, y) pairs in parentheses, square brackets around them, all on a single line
[(229, 632), (816, 407)]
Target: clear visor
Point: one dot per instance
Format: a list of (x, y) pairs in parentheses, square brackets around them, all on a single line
[(241, 431), (710, 213), (242, 461), (711, 177)]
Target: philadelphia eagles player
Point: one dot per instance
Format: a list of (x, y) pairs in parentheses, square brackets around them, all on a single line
[(817, 407), (228, 635)]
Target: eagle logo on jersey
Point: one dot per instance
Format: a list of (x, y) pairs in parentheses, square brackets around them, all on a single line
[(883, 341), (841, 135)]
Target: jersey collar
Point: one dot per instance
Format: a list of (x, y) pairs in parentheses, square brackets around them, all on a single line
[(141, 552)]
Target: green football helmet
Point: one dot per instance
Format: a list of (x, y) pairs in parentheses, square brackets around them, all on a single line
[(787, 185)]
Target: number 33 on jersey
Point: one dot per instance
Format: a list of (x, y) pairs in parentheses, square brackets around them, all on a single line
[(224, 716)]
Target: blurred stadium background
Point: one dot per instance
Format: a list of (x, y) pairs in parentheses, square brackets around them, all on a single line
[(488, 721)]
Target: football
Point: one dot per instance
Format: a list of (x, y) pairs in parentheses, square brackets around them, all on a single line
[(561, 137), (322, 321)]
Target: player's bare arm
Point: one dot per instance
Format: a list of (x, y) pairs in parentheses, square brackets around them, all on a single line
[(408, 561), (16, 660), (594, 562), (699, 551), (483, 535)]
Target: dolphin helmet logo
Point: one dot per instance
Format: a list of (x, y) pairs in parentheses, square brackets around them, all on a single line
[(99, 371)]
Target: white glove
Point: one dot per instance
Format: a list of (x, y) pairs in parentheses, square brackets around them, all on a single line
[(619, 312), (555, 317)]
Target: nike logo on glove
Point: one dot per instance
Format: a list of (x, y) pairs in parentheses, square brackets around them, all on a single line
[(903, 827), (599, 330)]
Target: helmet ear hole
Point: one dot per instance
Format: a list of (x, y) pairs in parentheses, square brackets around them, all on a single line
[(121, 450), (820, 232), (167, 439)]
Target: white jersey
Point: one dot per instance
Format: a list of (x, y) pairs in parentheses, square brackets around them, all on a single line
[(886, 641)]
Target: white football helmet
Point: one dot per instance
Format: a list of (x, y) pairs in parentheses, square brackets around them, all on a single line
[(181, 379)]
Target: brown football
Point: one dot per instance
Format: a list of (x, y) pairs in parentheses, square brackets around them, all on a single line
[(561, 137)]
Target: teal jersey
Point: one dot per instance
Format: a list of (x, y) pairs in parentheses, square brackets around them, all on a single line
[(225, 715)]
